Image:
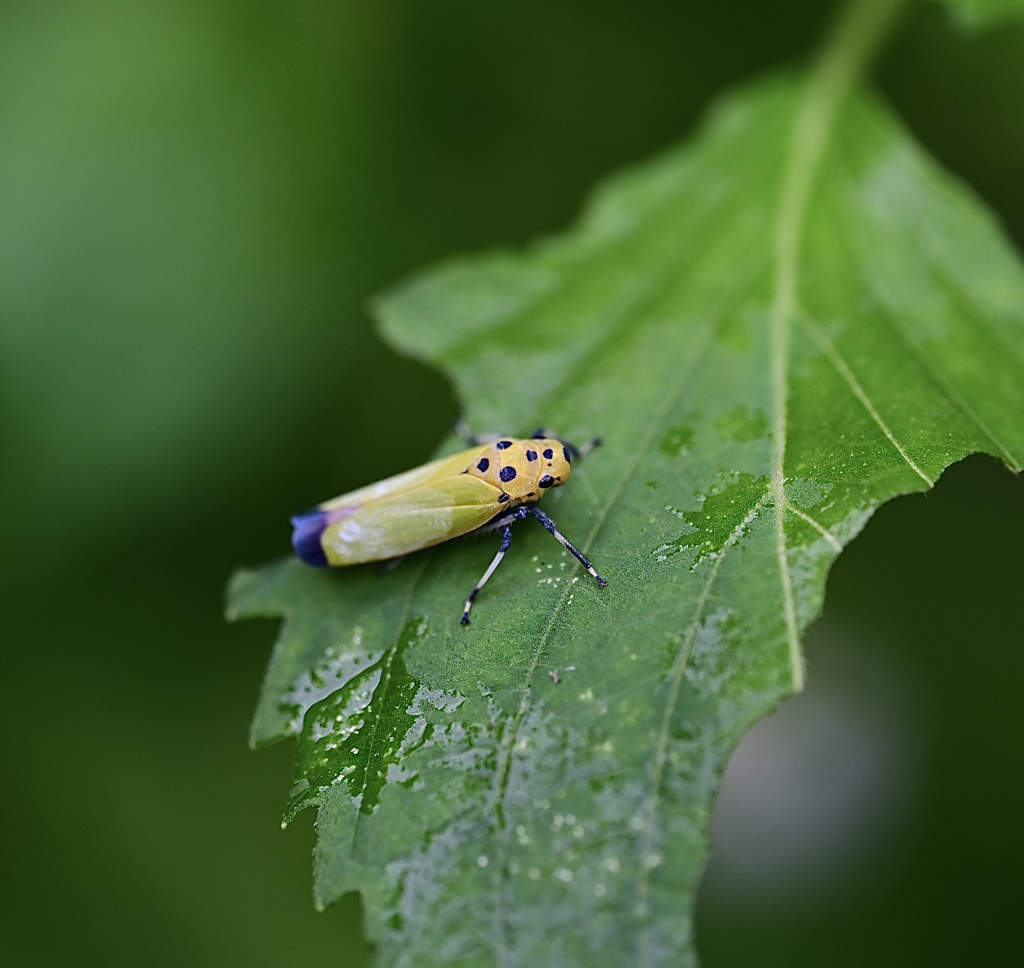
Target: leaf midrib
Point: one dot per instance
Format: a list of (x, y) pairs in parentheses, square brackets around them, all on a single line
[(841, 62)]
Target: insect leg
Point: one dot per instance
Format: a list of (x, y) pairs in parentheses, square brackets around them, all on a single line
[(502, 522), (390, 565), (506, 540), (588, 446), (461, 429), (566, 543)]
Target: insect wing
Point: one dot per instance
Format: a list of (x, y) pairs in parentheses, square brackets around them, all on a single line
[(436, 470), (406, 520)]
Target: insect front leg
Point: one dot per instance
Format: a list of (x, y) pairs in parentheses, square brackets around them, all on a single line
[(506, 541), (549, 526)]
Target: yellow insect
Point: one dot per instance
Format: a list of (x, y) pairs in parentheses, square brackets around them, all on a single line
[(488, 487)]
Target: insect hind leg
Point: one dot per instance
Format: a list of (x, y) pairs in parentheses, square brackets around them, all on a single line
[(549, 526)]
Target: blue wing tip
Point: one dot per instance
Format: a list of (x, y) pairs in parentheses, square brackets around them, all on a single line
[(308, 527)]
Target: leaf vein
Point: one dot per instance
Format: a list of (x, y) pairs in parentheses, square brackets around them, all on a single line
[(914, 346), (820, 528), (840, 366), (935, 371), (660, 757), (698, 346)]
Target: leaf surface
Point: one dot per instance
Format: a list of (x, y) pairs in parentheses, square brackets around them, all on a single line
[(775, 328)]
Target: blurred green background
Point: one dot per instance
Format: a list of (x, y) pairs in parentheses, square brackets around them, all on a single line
[(197, 197)]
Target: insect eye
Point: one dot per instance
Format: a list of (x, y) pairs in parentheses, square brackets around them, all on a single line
[(546, 481)]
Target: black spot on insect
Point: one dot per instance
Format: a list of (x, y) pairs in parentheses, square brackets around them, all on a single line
[(503, 444), (483, 464), (531, 455), (502, 497), (546, 481), (507, 474), (568, 455), (548, 453)]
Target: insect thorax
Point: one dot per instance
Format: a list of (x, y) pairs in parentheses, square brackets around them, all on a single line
[(522, 469)]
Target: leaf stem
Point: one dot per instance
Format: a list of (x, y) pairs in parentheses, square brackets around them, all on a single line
[(861, 28)]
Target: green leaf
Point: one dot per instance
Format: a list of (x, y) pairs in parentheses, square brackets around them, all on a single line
[(775, 329)]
